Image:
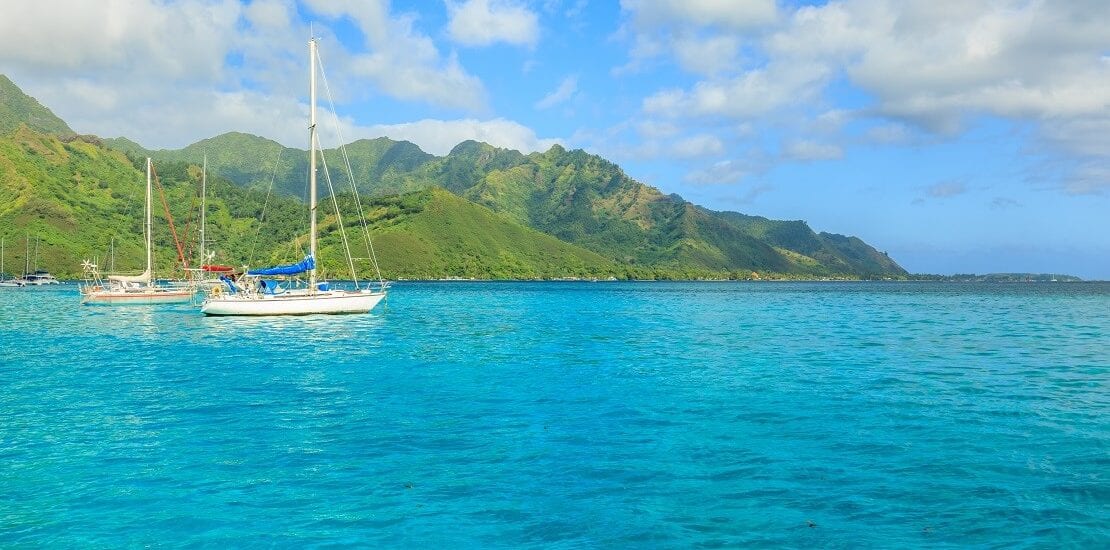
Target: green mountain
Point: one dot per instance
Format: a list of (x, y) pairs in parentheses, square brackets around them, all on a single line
[(18, 108), (504, 216), (835, 252), (574, 196), (74, 197)]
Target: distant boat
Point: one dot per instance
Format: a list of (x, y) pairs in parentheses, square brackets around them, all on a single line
[(5, 279), (252, 295), (38, 277), (207, 275), (139, 289)]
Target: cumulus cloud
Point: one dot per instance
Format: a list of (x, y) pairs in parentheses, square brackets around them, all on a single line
[(1087, 140), (706, 55), (729, 14), (169, 73), (564, 92), (754, 93), (485, 22), (659, 27), (401, 61), (84, 38), (925, 67)]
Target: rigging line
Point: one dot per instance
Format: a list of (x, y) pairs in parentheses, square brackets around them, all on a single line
[(188, 222), (169, 217), (350, 173), (265, 205), (338, 215)]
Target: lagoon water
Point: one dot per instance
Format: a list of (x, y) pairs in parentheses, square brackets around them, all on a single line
[(566, 415)]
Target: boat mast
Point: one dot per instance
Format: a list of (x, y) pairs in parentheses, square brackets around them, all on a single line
[(149, 225), (203, 197), (312, 162)]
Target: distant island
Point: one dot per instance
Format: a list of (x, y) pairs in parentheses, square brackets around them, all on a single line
[(1000, 278)]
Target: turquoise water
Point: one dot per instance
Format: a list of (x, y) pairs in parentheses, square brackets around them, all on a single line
[(566, 415)]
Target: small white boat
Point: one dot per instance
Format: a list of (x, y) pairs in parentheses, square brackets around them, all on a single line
[(39, 278), (253, 295), (139, 289)]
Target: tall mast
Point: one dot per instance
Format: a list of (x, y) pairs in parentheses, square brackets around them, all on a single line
[(312, 162), (2, 276), (149, 225), (203, 197)]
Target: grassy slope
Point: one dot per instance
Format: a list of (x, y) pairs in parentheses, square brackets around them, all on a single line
[(433, 233), (17, 108), (835, 253)]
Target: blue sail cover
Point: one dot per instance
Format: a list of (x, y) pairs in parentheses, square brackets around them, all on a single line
[(300, 267)]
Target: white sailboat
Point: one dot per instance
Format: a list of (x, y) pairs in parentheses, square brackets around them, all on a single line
[(134, 289), (269, 299), (4, 280)]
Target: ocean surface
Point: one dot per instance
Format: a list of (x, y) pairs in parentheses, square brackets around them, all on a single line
[(566, 415)]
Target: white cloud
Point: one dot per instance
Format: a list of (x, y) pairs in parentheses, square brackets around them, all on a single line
[(439, 136), (658, 27), (730, 14), (925, 67), (401, 61), (701, 145), (485, 22), (707, 56), (565, 91), (720, 172), (174, 41), (811, 150), (731, 171), (754, 93), (169, 73)]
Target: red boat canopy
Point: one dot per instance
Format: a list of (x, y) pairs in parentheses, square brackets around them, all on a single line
[(217, 268)]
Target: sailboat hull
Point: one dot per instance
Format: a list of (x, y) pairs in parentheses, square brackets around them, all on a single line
[(331, 302), (137, 298)]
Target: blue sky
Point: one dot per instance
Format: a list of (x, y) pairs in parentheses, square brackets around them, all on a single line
[(957, 136)]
